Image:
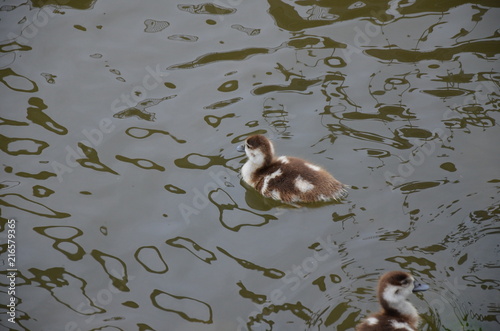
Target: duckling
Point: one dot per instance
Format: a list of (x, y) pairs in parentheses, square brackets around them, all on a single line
[(397, 313), (284, 178)]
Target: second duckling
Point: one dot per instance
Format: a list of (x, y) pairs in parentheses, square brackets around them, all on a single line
[(397, 312)]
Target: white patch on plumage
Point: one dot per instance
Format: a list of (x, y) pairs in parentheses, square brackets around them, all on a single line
[(313, 167), (371, 321), (401, 325), (247, 171), (268, 178), (255, 161), (303, 185), (272, 148), (323, 197), (256, 156), (396, 296), (275, 194), (283, 159)]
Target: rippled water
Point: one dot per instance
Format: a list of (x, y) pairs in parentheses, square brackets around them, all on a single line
[(119, 125)]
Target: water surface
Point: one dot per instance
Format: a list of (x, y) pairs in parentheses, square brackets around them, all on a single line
[(119, 127)]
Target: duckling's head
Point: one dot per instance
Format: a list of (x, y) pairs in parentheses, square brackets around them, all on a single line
[(395, 287), (259, 150)]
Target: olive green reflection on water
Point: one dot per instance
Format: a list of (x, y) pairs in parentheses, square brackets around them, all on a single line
[(134, 305), (92, 161), (76, 4), (141, 163), (223, 103), (115, 268), (151, 259), (201, 253), (42, 175), (248, 31), (233, 217), (215, 121), (5, 121), (246, 53), (487, 48), (297, 309), (19, 83), (174, 189), (8, 184), (413, 187), (141, 133), (337, 315), (200, 161), (13, 46), (410, 132), (22, 146), (268, 272), (37, 116), (153, 26), (297, 84), (229, 86), (63, 237), (340, 129), (444, 6), (193, 310), (66, 288), (139, 110), (447, 92), (42, 191), (20, 202), (237, 55), (207, 8), (256, 298), (286, 17)]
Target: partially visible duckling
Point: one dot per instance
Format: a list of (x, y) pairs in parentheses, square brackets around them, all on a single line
[(284, 178), (397, 313)]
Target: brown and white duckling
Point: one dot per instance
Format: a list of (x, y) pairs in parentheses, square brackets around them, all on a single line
[(284, 178), (397, 313)]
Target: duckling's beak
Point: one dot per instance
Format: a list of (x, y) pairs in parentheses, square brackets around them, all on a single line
[(420, 287), (241, 148)]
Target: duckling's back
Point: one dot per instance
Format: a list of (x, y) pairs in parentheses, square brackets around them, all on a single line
[(294, 180)]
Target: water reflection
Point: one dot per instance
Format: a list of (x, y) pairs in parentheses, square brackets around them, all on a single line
[(141, 163), (141, 133), (37, 116), (92, 160), (17, 82), (195, 249), (63, 237), (190, 309), (207, 8), (248, 31), (22, 146), (139, 110), (20, 202), (268, 272), (66, 288), (402, 98), (153, 26), (76, 4), (115, 268), (233, 217)]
